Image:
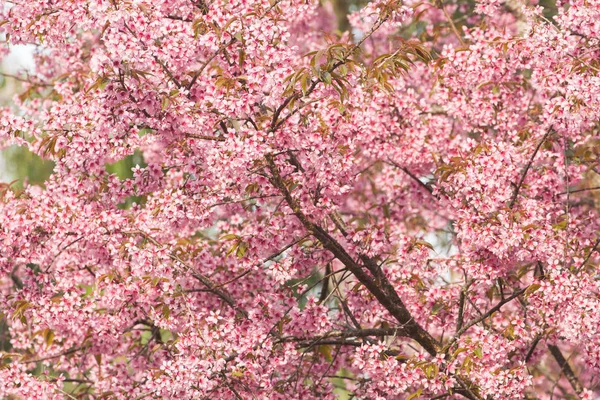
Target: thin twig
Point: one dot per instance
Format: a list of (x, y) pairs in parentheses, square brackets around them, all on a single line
[(168, 72), (25, 80), (211, 285), (270, 258), (594, 248), (205, 64), (461, 310), (532, 348), (579, 190), (64, 353), (205, 137), (526, 169), (197, 275), (452, 25), (486, 315), (413, 176), (275, 123)]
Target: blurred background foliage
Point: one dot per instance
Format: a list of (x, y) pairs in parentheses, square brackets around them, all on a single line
[(16, 162), (21, 166)]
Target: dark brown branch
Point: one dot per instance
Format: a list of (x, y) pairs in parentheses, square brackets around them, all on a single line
[(532, 348), (461, 310), (378, 284), (168, 72), (231, 388), (64, 353), (566, 368), (344, 304), (465, 389), (178, 18), (334, 342), (205, 137), (274, 120), (283, 249), (325, 287)]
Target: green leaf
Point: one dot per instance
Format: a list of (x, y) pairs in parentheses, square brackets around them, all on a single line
[(458, 351), (165, 103), (415, 394), (437, 307), (242, 249), (560, 226), (532, 288), (424, 243), (467, 363), (304, 84), (233, 248), (237, 373), (48, 335), (509, 333), (325, 351), (20, 307)]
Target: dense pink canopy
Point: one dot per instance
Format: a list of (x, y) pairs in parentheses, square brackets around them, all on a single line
[(404, 209)]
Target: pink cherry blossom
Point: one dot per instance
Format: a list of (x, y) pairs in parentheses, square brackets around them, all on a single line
[(403, 210)]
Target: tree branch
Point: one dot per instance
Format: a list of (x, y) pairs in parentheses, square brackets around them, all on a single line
[(275, 123), (212, 286), (579, 190), (566, 368), (486, 315), (461, 310), (205, 64), (532, 348), (526, 169), (378, 284), (413, 176), (594, 248), (350, 333)]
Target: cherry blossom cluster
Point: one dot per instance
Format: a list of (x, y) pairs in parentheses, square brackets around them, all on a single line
[(404, 210)]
